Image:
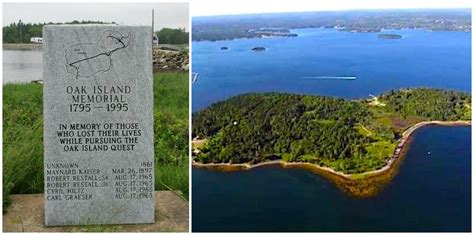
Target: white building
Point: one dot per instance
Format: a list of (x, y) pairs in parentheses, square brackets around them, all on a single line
[(36, 40)]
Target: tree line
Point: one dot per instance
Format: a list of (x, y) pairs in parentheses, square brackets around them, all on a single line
[(21, 32)]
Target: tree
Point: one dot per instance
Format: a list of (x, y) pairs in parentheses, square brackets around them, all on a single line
[(173, 36)]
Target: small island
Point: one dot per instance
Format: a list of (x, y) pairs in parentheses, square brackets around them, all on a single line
[(272, 32), (348, 140), (389, 36), (258, 49)]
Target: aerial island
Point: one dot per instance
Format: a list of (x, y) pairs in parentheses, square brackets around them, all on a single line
[(272, 32), (389, 36), (258, 49), (349, 138)]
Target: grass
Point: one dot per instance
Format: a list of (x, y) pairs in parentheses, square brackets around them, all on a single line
[(23, 136), (363, 130), (171, 124), (97, 228), (197, 144), (22, 140)]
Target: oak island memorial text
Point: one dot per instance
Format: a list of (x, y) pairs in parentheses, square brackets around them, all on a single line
[(98, 125)]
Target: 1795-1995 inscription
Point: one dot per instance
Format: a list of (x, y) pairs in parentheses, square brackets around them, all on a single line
[(98, 108)]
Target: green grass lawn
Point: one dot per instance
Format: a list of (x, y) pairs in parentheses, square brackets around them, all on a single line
[(23, 136)]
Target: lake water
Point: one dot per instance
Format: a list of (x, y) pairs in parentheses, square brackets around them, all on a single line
[(420, 58), (429, 193), (21, 66)]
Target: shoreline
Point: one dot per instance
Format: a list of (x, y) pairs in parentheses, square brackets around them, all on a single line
[(346, 30), (395, 158), (22, 46)]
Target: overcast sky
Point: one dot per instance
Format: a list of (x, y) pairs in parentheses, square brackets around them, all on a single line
[(231, 7), (170, 15)]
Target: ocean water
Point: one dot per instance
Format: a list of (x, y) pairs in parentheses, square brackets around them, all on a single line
[(22, 66), (429, 193), (420, 58)]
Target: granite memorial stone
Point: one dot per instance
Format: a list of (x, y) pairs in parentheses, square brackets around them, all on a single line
[(98, 125)]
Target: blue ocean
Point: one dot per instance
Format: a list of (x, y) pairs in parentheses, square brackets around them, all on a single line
[(429, 193), (419, 58)]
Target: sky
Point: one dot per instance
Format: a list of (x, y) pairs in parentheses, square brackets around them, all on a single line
[(170, 15), (234, 7)]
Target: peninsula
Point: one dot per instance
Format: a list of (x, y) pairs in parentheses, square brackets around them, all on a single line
[(348, 139)]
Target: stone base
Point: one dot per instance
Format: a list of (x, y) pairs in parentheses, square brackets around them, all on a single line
[(26, 214)]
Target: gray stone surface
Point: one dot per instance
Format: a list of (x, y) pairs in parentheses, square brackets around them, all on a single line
[(98, 130), (26, 214)]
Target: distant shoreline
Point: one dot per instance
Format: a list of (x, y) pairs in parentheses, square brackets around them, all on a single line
[(22, 46), (348, 30), (391, 162)]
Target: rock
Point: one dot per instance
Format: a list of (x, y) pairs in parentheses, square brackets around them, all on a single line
[(389, 36), (92, 57), (258, 49), (26, 214), (170, 60), (224, 48)]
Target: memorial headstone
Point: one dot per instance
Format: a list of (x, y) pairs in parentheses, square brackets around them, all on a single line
[(98, 125)]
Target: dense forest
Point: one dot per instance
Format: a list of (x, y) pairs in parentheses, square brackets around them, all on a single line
[(348, 136), (444, 105)]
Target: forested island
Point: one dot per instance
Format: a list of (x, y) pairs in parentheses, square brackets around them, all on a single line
[(348, 136), (389, 36), (273, 32)]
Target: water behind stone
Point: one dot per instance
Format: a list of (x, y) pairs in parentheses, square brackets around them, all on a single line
[(22, 66)]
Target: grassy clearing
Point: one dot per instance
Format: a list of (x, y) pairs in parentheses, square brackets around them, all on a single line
[(23, 136), (363, 130), (375, 157), (198, 144)]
